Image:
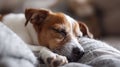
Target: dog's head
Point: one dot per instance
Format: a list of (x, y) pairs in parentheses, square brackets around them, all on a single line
[(58, 32)]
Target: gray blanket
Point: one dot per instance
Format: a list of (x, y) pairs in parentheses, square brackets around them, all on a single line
[(13, 51), (97, 54)]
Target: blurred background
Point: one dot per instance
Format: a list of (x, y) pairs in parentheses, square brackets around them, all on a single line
[(101, 16)]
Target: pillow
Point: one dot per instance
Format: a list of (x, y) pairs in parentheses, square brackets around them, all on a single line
[(13, 51), (99, 54)]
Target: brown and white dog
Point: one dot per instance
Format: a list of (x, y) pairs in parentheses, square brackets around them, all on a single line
[(55, 33)]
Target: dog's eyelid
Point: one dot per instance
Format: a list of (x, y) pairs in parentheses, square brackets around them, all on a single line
[(64, 32), (54, 29), (61, 31)]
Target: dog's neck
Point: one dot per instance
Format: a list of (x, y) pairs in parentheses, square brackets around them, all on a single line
[(33, 34)]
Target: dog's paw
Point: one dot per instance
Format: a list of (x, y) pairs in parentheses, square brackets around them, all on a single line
[(56, 61)]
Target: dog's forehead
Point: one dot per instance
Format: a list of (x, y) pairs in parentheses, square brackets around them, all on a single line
[(61, 18), (70, 20), (57, 20)]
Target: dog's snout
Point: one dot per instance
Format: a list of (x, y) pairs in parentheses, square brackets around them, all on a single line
[(76, 51)]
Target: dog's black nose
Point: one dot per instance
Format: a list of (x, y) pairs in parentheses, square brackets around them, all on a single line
[(77, 53)]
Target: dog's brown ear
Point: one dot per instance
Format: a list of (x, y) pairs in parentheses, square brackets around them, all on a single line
[(85, 30), (35, 16), (1, 17)]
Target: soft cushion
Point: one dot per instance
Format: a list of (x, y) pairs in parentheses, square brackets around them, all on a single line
[(99, 54), (13, 51)]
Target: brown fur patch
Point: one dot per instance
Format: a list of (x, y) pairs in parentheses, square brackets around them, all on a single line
[(85, 30)]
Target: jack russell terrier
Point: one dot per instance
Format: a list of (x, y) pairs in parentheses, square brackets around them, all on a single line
[(55, 34)]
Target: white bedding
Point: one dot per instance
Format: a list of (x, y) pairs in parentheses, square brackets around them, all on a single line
[(13, 51)]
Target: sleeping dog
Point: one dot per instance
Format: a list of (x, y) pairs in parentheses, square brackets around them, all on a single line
[(55, 34)]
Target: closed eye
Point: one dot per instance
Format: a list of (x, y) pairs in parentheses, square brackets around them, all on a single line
[(61, 31)]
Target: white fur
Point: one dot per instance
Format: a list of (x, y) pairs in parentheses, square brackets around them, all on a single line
[(16, 23), (73, 40), (33, 33), (42, 52), (72, 21)]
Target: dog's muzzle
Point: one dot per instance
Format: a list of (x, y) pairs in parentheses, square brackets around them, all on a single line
[(72, 50), (77, 53)]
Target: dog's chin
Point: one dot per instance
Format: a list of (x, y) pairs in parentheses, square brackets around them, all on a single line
[(73, 51), (71, 57)]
